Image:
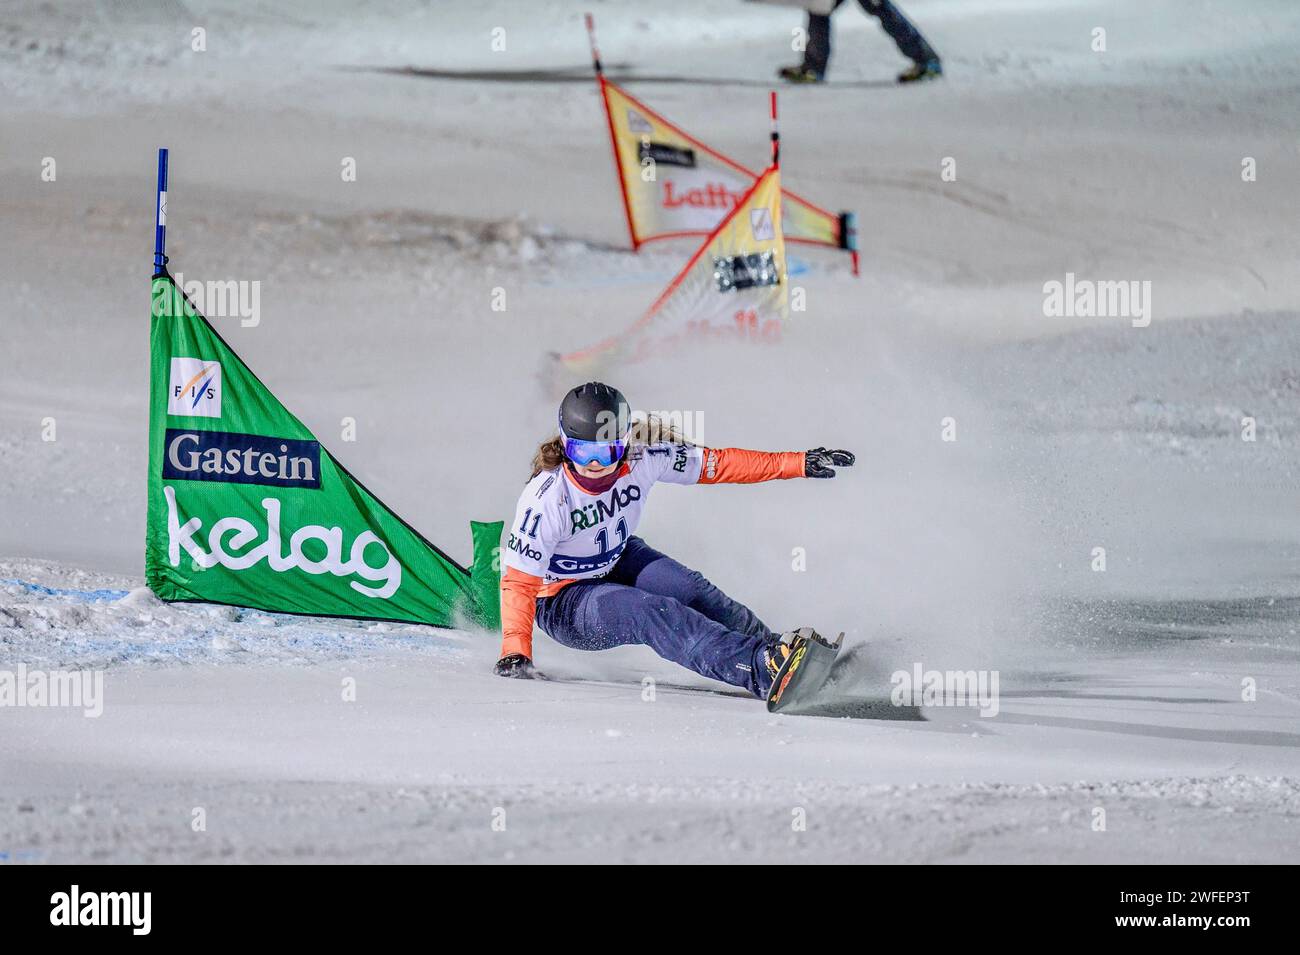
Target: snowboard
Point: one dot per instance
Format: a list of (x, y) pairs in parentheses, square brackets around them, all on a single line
[(804, 671)]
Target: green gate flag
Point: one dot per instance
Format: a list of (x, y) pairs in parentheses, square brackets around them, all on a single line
[(247, 508)]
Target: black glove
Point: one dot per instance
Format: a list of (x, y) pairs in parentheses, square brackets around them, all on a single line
[(514, 665), (817, 462)]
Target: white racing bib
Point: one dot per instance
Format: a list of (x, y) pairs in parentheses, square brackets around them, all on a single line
[(562, 532)]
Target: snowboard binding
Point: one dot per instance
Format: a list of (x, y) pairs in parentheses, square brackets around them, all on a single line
[(804, 669)]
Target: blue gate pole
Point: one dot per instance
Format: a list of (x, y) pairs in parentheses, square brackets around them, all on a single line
[(160, 222)]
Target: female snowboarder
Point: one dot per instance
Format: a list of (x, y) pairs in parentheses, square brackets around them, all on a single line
[(574, 564)]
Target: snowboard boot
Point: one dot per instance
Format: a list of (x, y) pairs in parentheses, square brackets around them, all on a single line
[(777, 656), (930, 69), (774, 656), (800, 74), (802, 670)]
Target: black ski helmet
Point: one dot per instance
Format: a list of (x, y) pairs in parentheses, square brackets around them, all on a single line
[(594, 412)]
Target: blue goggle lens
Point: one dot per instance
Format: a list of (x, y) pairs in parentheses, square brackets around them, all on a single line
[(584, 453)]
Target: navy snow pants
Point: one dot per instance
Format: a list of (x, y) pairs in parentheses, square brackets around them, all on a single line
[(651, 599), (908, 38)]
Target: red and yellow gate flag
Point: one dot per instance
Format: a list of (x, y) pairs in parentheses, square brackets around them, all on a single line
[(674, 185), (734, 288)]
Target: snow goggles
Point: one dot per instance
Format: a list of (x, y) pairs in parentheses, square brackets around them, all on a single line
[(583, 453)]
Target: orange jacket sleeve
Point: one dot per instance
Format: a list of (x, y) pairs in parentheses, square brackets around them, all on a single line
[(518, 608), (737, 466)]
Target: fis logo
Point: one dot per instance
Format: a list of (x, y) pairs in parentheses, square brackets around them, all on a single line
[(195, 389)]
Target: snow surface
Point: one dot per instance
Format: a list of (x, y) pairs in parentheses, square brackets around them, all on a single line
[(1120, 690)]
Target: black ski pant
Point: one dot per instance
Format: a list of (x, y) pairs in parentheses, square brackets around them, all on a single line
[(910, 42)]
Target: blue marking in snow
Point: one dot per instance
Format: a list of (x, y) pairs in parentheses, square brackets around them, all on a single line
[(88, 596)]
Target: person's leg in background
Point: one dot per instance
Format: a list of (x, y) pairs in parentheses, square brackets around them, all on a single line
[(925, 61), (817, 53)]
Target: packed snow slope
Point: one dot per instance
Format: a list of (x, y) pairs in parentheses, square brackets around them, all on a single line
[(1162, 690)]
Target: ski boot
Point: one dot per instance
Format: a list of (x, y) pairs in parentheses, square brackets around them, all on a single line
[(800, 74), (922, 70)]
